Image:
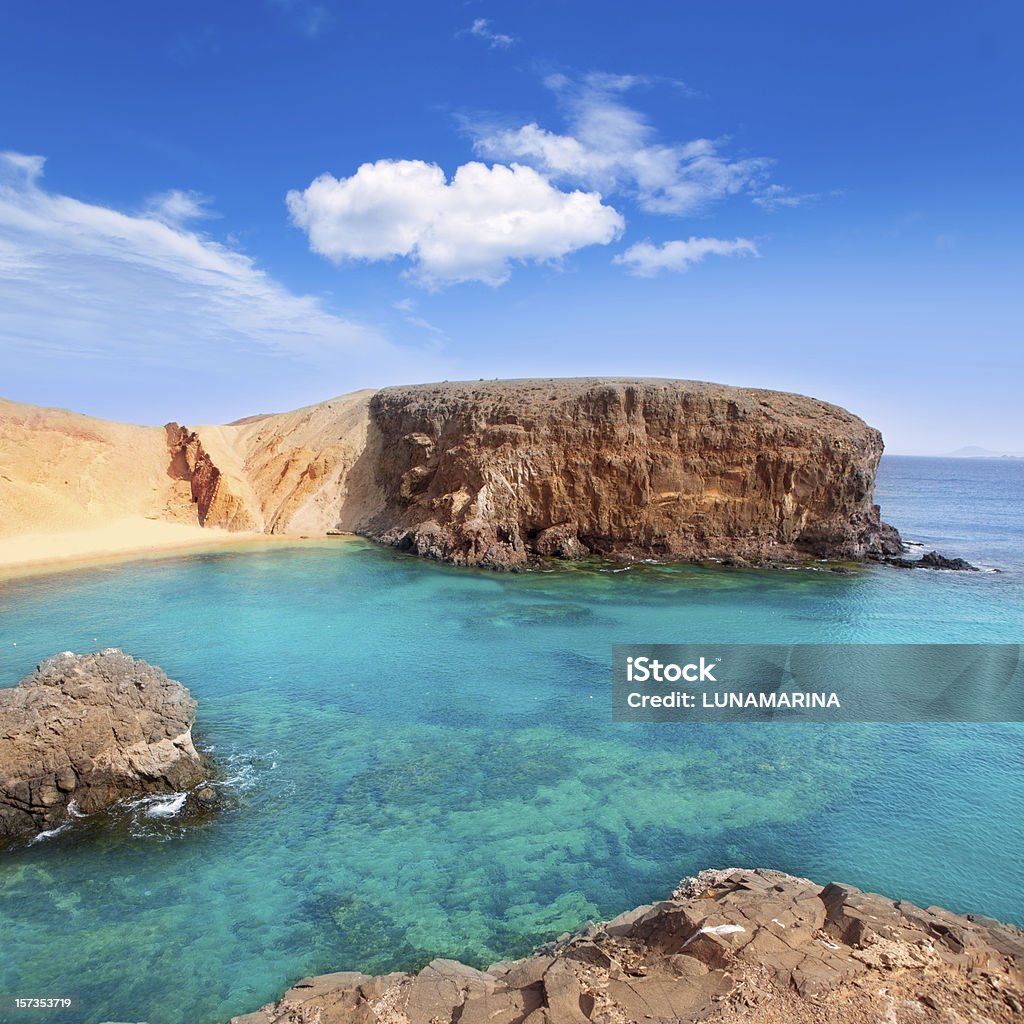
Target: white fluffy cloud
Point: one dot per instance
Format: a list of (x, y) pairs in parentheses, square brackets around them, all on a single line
[(469, 229), (612, 147), (646, 259), (84, 282)]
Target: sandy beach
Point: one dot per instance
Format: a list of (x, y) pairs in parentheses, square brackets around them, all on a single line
[(32, 554)]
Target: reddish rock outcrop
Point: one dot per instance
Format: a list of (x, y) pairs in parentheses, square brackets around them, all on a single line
[(734, 945), (492, 473), (216, 502), (92, 729)]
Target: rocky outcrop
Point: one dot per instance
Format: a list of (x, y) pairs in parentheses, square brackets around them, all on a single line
[(217, 502), (933, 560), (84, 731), (757, 946), (493, 473)]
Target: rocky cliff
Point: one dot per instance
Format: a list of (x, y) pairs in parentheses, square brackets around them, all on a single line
[(492, 473), (757, 946), (90, 729), (497, 473)]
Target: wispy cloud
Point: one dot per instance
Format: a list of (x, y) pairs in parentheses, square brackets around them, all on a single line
[(176, 207), (408, 310), (306, 16), (481, 29), (612, 147), (84, 281), (775, 197), (471, 228), (645, 259)]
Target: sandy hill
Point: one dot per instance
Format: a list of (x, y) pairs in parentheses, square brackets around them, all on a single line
[(60, 470)]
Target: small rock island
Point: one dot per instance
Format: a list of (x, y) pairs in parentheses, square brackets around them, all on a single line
[(84, 731)]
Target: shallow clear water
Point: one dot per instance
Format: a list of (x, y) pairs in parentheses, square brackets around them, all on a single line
[(422, 759)]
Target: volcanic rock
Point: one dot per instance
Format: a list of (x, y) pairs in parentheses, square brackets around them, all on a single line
[(495, 473), (933, 560), (84, 731)]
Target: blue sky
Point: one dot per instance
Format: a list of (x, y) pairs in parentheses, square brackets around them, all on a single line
[(214, 209)]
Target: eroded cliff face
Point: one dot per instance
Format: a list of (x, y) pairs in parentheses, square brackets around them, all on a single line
[(220, 499), (492, 473), (295, 472)]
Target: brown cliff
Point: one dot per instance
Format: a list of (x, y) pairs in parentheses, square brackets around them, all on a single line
[(735, 945), (491, 473)]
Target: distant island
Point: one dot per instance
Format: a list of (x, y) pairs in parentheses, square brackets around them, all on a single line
[(974, 452)]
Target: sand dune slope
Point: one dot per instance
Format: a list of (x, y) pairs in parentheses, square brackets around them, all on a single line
[(297, 472), (62, 471)]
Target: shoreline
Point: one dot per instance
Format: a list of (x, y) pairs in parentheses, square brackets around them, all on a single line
[(132, 540), (753, 945)]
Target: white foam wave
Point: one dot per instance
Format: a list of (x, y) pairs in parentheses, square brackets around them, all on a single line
[(166, 807), (49, 834)]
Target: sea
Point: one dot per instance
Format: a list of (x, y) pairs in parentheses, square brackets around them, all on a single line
[(417, 760)]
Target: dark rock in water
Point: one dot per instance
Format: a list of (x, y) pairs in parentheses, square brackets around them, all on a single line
[(205, 799), (758, 946), (735, 562), (84, 731), (933, 560)]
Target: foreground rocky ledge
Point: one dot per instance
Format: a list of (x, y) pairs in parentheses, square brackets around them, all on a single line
[(84, 731), (729, 945)]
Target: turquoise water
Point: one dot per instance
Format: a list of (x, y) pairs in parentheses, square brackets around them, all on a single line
[(421, 760)]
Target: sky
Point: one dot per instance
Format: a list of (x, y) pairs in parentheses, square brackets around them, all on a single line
[(211, 210)]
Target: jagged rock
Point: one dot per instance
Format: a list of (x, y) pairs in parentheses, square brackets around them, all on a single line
[(84, 731), (758, 946), (216, 496), (933, 560)]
